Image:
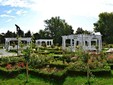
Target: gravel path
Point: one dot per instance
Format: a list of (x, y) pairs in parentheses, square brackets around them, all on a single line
[(3, 52)]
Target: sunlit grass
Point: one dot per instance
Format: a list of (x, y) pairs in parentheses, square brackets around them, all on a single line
[(34, 80), (21, 80)]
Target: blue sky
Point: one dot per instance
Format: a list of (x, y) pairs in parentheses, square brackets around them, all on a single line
[(30, 14)]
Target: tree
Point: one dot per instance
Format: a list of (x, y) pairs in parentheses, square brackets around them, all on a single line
[(55, 28), (10, 34), (28, 34), (42, 34), (105, 26), (2, 40), (81, 31), (36, 36)]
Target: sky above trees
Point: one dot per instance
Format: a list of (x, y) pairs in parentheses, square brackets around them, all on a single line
[(30, 14)]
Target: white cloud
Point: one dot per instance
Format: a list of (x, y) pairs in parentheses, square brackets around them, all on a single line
[(16, 3), (9, 11), (66, 9), (6, 15), (9, 20), (21, 12), (69, 9)]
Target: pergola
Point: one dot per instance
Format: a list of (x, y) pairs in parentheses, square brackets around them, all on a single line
[(8, 40), (91, 42), (48, 42)]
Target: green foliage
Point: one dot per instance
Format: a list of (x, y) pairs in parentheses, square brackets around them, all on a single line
[(81, 31), (28, 34), (55, 28), (10, 59), (10, 34), (104, 26), (37, 60)]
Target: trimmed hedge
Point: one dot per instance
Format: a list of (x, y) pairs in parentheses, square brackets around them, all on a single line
[(57, 76), (96, 72), (10, 73)]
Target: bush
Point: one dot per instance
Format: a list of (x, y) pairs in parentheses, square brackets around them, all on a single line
[(5, 60), (110, 58)]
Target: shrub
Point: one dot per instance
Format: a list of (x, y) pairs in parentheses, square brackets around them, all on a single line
[(9, 67), (110, 58)]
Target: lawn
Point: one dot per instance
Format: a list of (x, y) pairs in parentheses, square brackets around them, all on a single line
[(21, 80), (33, 80)]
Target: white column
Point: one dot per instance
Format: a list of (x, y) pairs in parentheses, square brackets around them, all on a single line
[(100, 44), (71, 44), (9, 45), (63, 43), (46, 43), (52, 42), (89, 44), (74, 44)]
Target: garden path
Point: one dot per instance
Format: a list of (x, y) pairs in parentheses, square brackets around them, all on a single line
[(3, 52)]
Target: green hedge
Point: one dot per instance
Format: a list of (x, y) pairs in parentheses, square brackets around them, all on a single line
[(96, 72), (10, 73), (48, 75), (58, 76)]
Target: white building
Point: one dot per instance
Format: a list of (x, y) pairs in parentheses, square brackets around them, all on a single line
[(86, 42), (47, 42), (8, 41)]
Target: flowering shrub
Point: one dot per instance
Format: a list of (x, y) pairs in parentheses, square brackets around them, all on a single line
[(21, 64), (9, 66), (110, 58)]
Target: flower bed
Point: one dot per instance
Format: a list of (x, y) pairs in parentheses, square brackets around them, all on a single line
[(13, 65)]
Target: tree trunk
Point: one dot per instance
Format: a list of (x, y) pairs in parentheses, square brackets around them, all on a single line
[(88, 74), (27, 71)]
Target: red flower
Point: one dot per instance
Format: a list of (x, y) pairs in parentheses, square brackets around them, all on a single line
[(21, 64), (9, 66)]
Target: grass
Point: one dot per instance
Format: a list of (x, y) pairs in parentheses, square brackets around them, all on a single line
[(33, 80), (83, 81), (21, 80)]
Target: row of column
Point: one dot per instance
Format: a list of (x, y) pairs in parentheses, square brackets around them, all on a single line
[(7, 45), (82, 43), (48, 43)]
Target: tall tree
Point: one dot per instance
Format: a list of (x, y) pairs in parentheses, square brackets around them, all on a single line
[(28, 34), (36, 36), (55, 28), (105, 26), (2, 39), (81, 31), (9, 34), (42, 34)]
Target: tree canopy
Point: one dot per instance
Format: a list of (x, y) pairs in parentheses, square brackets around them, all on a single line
[(105, 26), (28, 34), (81, 31), (55, 28)]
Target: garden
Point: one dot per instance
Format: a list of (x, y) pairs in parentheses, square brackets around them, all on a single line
[(53, 66)]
